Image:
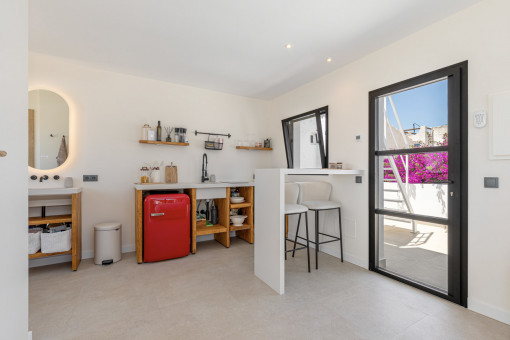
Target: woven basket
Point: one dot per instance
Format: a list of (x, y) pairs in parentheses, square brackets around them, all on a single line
[(56, 242), (34, 242)]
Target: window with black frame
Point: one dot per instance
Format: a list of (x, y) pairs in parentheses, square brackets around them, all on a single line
[(306, 139)]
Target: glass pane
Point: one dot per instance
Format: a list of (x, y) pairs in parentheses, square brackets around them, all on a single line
[(304, 140), (324, 129), (414, 118), (418, 252), (415, 183)]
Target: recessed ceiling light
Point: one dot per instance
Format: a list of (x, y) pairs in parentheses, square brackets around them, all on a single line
[(288, 46), (329, 60)]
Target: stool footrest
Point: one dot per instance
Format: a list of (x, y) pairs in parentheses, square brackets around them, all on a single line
[(335, 239)]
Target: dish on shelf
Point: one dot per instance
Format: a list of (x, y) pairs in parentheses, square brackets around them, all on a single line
[(237, 220), (236, 199)]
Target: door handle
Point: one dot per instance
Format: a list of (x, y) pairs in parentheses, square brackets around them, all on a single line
[(158, 214), (3, 153)]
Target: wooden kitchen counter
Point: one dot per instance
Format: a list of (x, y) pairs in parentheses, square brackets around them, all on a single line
[(221, 230)]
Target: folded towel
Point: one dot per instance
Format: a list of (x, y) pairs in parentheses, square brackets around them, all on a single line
[(62, 152)]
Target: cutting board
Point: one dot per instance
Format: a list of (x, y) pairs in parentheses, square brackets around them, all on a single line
[(171, 174)]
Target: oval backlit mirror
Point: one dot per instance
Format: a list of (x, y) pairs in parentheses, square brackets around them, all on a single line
[(48, 130)]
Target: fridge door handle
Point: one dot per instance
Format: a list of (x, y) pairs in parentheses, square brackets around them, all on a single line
[(158, 214)]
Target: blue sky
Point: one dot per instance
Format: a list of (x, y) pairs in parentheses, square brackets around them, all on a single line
[(426, 105)]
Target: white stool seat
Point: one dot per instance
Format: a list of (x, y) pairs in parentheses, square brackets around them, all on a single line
[(295, 209), (321, 205)]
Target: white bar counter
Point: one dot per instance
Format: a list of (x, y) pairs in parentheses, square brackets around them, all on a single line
[(270, 219)]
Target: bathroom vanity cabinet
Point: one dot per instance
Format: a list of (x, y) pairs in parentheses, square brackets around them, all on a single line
[(220, 192), (60, 197)]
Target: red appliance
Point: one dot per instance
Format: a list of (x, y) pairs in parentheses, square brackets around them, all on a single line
[(166, 227)]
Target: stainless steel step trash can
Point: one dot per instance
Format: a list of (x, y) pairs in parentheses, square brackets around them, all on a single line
[(107, 243)]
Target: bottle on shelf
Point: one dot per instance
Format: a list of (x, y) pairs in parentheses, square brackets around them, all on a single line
[(158, 132)]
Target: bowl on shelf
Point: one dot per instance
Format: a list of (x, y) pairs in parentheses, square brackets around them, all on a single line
[(236, 199), (237, 220)]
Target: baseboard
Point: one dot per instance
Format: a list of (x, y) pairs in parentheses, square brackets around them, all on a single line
[(491, 311), (89, 254), (335, 251)]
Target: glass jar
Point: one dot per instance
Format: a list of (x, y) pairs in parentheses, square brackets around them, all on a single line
[(144, 175)]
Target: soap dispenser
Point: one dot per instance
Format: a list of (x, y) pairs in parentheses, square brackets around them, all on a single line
[(214, 214)]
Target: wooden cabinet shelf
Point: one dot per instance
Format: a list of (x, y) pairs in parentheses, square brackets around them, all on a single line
[(39, 255), (245, 231), (253, 148), (240, 227), (207, 230), (50, 219), (221, 230), (75, 219), (240, 205), (162, 143)]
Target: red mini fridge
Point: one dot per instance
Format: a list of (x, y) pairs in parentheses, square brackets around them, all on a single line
[(166, 227)]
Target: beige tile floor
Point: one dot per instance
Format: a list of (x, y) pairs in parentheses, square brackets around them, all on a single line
[(214, 295), (421, 256)]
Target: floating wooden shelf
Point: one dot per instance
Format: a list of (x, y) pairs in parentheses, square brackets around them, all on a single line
[(164, 143), (39, 255), (50, 219), (241, 227), (217, 228), (240, 205), (253, 148)]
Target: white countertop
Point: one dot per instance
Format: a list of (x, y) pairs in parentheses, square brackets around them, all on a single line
[(52, 191), (190, 185), (286, 171)]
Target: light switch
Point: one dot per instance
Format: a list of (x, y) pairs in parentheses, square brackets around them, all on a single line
[(491, 182)]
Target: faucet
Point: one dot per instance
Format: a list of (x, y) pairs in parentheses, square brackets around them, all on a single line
[(204, 168), (43, 178)]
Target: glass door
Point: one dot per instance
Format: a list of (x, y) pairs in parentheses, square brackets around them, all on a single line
[(418, 228)]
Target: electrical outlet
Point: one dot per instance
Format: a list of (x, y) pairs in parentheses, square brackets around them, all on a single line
[(491, 182), (90, 178), (358, 179), (357, 139)]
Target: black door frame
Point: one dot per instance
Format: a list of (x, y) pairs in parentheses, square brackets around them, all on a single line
[(457, 148)]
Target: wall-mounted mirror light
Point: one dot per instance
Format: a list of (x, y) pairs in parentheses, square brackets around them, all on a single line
[(306, 139), (48, 130)]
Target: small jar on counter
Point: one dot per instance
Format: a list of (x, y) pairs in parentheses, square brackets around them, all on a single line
[(144, 175)]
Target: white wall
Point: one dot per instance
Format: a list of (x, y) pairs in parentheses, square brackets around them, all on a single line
[(480, 34), (107, 112), (13, 169)]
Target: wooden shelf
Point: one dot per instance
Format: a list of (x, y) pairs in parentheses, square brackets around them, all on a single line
[(253, 148), (241, 227), (240, 205), (50, 219), (39, 255), (217, 228), (163, 143)]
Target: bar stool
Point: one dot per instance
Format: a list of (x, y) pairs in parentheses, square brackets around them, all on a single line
[(292, 208), (316, 197)]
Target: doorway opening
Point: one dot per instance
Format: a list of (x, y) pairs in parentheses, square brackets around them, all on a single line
[(418, 182)]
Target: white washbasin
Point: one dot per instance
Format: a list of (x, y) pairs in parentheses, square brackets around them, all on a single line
[(52, 191)]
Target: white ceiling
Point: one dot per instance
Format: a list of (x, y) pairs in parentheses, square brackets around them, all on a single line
[(232, 46)]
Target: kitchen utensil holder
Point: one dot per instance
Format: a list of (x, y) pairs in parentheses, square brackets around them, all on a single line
[(211, 145)]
